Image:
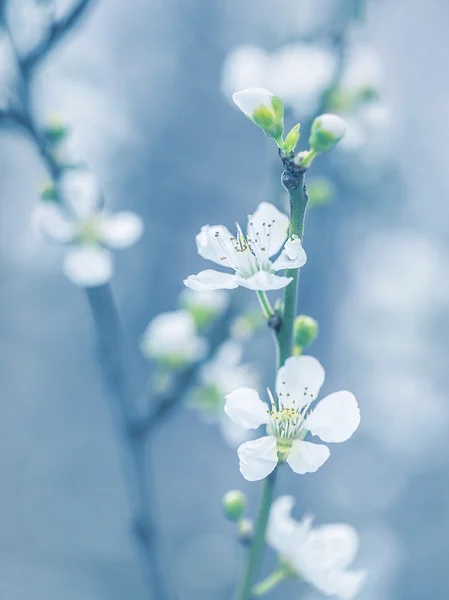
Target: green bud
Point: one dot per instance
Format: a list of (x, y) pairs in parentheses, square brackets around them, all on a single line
[(264, 109), (305, 331), (292, 139), (234, 505), (327, 130)]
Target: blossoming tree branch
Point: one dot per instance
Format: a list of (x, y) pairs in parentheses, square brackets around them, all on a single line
[(196, 350), (320, 556)]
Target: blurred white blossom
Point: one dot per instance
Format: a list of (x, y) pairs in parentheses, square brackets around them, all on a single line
[(298, 73), (298, 383), (321, 555), (249, 256), (219, 377), (77, 220), (172, 339), (204, 306)]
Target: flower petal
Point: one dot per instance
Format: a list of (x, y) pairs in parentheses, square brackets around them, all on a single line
[(343, 584), (88, 266), (121, 230), (306, 457), (172, 335), (51, 222), (299, 380), (335, 417), (214, 243), (264, 281), (293, 255), (211, 280), (258, 458), (245, 408), (81, 192), (251, 98), (330, 547), (284, 533), (267, 214)]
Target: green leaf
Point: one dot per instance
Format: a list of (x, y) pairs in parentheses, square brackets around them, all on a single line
[(292, 139)]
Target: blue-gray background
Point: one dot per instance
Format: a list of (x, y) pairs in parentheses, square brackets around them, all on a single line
[(140, 83)]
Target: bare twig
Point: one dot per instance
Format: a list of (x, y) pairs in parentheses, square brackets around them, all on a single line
[(56, 33), (135, 430)]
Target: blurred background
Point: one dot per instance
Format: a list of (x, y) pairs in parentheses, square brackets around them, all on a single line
[(145, 86)]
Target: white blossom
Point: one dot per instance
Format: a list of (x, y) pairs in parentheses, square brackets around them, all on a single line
[(249, 256), (298, 73), (172, 339), (319, 555), (204, 306), (298, 383), (79, 222)]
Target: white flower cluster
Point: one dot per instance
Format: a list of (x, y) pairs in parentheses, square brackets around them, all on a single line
[(297, 72), (75, 218), (301, 73)]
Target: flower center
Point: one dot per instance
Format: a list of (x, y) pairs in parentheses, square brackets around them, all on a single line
[(287, 422), (248, 254), (89, 230)]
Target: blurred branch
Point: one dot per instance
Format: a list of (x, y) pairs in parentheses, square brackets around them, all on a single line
[(57, 31), (110, 347), (134, 430)]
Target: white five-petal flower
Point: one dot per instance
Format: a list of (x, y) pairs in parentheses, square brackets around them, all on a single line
[(249, 256), (172, 339), (79, 222), (298, 382), (321, 556)]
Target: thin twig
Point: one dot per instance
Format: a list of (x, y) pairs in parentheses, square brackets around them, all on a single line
[(56, 33)]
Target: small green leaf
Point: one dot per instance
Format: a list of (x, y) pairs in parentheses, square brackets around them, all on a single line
[(292, 139)]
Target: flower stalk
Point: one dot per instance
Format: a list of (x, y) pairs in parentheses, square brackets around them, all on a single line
[(270, 582), (267, 309), (293, 180), (258, 543)]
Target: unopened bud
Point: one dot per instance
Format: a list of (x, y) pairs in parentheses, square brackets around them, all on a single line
[(234, 504), (264, 109), (305, 331), (327, 130)]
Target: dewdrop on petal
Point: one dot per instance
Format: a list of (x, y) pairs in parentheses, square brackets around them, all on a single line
[(327, 130), (264, 109)]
